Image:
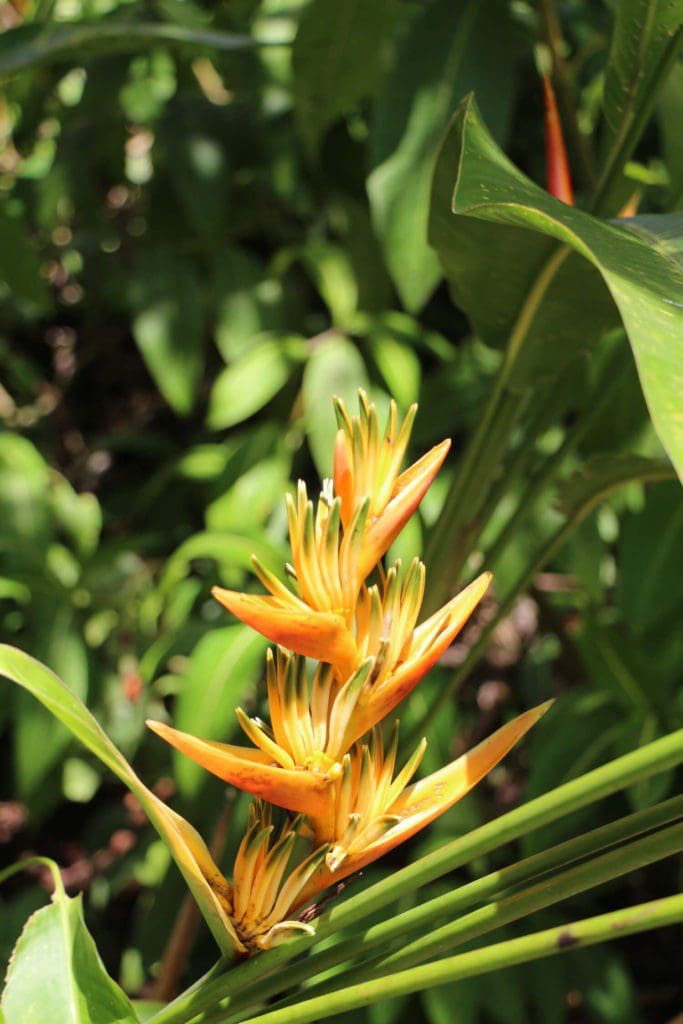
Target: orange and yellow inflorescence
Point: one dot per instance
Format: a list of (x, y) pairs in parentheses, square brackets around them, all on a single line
[(322, 755)]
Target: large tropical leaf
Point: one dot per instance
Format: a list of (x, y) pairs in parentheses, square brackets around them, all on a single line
[(576, 268)]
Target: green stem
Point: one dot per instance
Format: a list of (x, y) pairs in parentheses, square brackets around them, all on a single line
[(453, 903), (618, 774), (546, 893), (610, 384), (632, 128), (588, 932), (482, 456)]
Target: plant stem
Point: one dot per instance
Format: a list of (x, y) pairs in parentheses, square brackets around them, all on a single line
[(546, 893), (452, 903), (618, 774), (609, 385), (587, 932), (482, 456)]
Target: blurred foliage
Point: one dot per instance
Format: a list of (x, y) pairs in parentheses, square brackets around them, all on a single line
[(213, 218)]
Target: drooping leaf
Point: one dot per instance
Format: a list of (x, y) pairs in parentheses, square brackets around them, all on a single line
[(485, 212), (445, 50), (185, 844), (56, 974)]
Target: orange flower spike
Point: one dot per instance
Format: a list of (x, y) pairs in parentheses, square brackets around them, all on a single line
[(557, 164), (263, 892), (386, 630), (367, 466), (375, 812), (253, 771)]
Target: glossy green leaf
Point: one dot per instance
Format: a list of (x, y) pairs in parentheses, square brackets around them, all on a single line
[(168, 327), (249, 383), (337, 58), (445, 50), (485, 212), (335, 367), (185, 845), (223, 668), (56, 974)]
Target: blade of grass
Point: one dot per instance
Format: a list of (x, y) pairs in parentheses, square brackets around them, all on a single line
[(586, 932)]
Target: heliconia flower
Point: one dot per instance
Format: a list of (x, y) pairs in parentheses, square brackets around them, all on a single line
[(262, 893), (557, 163), (373, 811), (403, 652), (254, 771), (367, 468), (312, 727)]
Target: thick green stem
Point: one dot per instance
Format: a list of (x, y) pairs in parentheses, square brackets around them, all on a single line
[(603, 928), (446, 907), (546, 893), (639, 764)]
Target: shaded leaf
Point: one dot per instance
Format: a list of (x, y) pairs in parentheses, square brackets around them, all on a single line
[(335, 367), (485, 211), (605, 473), (250, 382), (445, 50)]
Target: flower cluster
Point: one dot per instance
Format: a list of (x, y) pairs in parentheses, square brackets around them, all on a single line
[(322, 755)]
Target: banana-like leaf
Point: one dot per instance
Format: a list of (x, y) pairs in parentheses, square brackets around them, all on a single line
[(485, 212)]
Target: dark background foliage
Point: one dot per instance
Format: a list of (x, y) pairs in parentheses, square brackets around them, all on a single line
[(198, 246)]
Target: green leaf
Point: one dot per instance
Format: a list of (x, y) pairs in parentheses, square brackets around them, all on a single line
[(334, 368), (445, 50), (601, 474), (185, 844), (646, 34), (255, 377), (224, 665), (56, 974), (246, 300), (168, 327), (35, 44), (337, 59), (485, 212)]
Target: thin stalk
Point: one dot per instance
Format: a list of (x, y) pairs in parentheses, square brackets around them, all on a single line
[(620, 773), (552, 545), (482, 456), (587, 932), (447, 906), (609, 386), (595, 872)]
